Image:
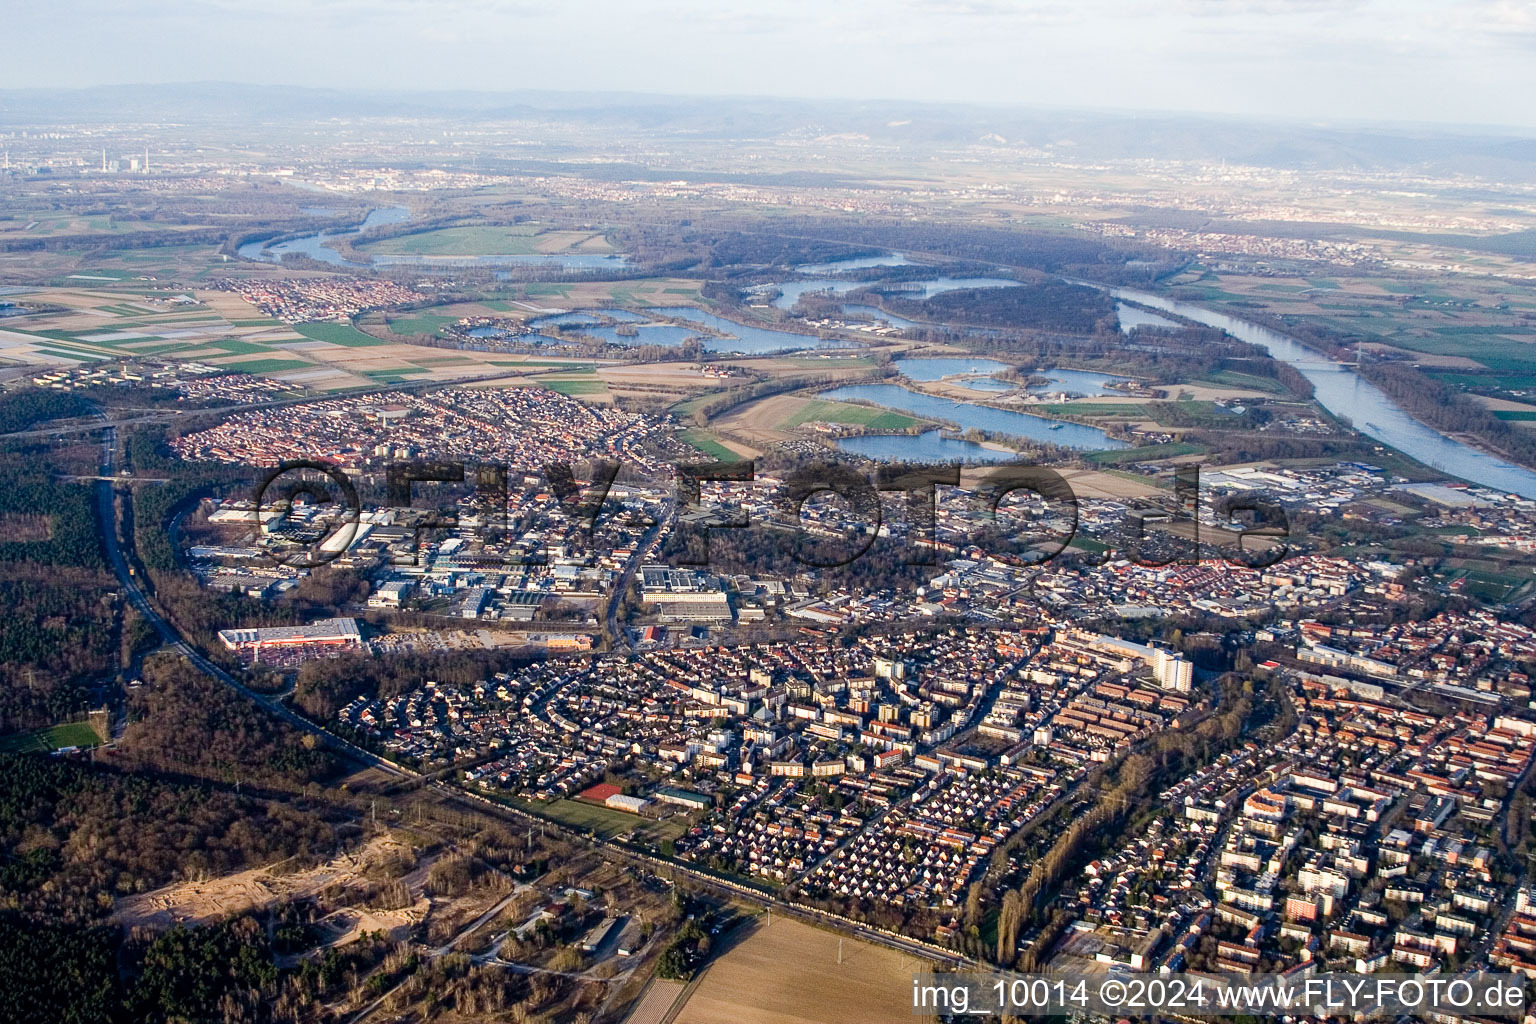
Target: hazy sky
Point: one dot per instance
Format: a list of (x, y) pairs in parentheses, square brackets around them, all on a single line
[(1469, 61)]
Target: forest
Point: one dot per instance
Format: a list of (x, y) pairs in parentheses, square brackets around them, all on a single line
[(1072, 253), (75, 836), (57, 636), (739, 248), (25, 408), (1046, 305), (185, 722), (1432, 402)]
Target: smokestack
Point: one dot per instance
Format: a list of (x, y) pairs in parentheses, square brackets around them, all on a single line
[(103, 159), (146, 159)]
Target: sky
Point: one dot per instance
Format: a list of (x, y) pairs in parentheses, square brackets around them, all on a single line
[(1457, 61)]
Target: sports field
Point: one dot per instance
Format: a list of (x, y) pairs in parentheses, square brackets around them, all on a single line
[(53, 737), (605, 822)]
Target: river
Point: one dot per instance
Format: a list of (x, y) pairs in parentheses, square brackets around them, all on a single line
[(1345, 393), (314, 246)]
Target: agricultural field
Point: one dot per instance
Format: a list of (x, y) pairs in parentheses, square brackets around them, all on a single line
[(489, 240), (1126, 456), (88, 323), (575, 387), (817, 410), (1479, 330), (712, 446), (788, 973)]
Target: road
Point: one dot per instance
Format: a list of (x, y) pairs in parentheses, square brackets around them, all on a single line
[(134, 592), (704, 880), (618, 637), (445, 791)]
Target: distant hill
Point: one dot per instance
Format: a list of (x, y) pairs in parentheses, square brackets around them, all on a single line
[(1484, 151)]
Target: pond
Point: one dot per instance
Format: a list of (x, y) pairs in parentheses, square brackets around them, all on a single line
[(745, 338), (982, 417), (932, 446)]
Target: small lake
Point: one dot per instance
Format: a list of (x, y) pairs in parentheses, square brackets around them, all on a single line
[(744, 338), (1084, 383), (930, 447), (982, 417), (576, 318), (315, 247), (790, 291), (939, 367), (670, 335), (1131, 317), (855, 309)]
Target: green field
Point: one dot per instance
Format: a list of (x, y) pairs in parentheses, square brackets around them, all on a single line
[(818, 410), (688, 406), (605, 822), (575, 387), (490, 240), (337, 334), (835, 363), (1502, 381), (235, 347), (420, 323), (53, 737), (1233, 379), (1132, 409), (705, 442), (478, 240), (1493, 587), (1508, 351), (260, 366)]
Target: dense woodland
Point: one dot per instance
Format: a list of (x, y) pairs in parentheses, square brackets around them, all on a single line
[(1071, 253), (1047, 305), (28, 408), (1449, 411), (73, 837), (741, 248), (183, 721), (58, 632)]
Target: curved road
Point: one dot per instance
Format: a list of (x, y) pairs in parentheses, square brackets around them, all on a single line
[(452, 794), (107, 520)]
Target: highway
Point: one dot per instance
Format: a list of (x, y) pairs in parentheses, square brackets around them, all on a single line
[(134, 592), (136, 596)]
